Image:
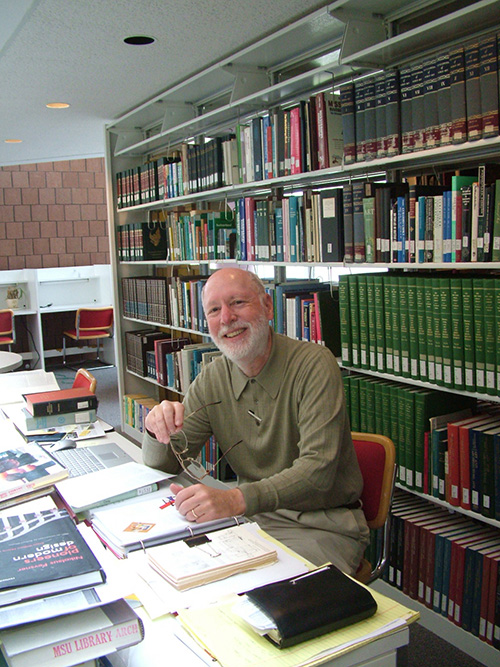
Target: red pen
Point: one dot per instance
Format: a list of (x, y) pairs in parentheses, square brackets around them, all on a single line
[(167, 503)]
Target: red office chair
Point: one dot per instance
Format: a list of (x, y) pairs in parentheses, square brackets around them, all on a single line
[(85, 379), (377, 460), (90, 324), (7, 330)]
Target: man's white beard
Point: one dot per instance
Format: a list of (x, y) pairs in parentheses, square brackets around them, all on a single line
[(253, 346)]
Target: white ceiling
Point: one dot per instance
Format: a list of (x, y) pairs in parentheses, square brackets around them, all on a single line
[(73, 51)]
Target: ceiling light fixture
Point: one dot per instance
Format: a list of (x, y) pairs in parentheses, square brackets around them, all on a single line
[(13, 141), (57, 105), (139, 40)]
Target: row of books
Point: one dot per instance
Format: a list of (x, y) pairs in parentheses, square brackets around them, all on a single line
[(448, 98), (421, 223), (136, 408), (306, 310), (198, 235), (304, 137), (402, 413), (443, 329), (173, 300), (449, 563), (361, 222)]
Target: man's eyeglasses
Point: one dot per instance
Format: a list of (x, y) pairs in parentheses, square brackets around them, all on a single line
[(191, 466)]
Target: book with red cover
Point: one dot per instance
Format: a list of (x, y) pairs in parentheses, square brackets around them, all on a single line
[(425, 553), (59, 401), (485, 593), (491, 620)]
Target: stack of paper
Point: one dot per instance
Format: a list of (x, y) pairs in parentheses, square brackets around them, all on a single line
[(202, 559)]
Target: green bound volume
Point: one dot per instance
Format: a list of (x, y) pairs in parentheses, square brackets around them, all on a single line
[(429, 329), (446, 339), (478, 288), (354, 401), (489, 335), (345, 320), (404, 327), (385, 391), (378, 284), (387, 278), (468, 324), (413, 331), (396, 427), (457, 332), (396, 324), (408, 432), (364, 333), (372, 324), (354, 316), (421, 328), (438, 348)]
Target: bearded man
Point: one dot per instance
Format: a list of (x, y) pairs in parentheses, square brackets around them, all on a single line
[(276, 407)]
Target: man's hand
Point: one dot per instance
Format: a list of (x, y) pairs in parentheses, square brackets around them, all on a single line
[(200, 503), (165, 419)]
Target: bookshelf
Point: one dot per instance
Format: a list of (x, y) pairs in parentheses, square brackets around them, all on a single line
[(339, 44)]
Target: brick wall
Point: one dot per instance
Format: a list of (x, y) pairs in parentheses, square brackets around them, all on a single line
[(53, 214)]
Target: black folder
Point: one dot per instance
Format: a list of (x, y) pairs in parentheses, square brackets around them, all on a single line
[(312, 604)]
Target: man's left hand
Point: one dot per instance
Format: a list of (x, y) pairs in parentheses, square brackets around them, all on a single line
[(200, 503)]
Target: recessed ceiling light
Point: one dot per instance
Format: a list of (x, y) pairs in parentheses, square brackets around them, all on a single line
[(57, 105), (13, 141), (139, 40)]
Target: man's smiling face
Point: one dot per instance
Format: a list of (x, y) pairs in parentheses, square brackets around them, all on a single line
[(238, 317)]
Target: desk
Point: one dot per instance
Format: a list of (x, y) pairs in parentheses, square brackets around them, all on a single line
[(160, 634), (9, 361)]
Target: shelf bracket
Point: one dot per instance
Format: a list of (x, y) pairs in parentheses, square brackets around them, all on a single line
[(176, 114), (127, 138), (362, 30), (248, 80)]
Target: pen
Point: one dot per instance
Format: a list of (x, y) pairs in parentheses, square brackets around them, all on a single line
[(167, 503), (256, 417), (308, 574)]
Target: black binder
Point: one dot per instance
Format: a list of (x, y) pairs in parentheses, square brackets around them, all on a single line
[(312, 604)]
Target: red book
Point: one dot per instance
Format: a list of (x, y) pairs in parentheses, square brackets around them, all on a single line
[(484, 585), (425, 554), (323, 158), (60, 401), (453, 524), (250, 227), (411, 550), (491, 624), (453, 486), (296, 157)]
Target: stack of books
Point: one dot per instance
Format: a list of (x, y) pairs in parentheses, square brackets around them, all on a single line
[(61, 407), (51, 605)]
